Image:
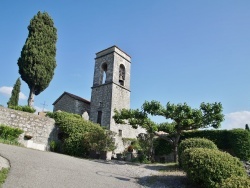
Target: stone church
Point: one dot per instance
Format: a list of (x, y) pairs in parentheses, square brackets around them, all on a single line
[(110, 91)]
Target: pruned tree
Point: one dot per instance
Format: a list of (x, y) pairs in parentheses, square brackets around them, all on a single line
[(14, 98), (37, 61), (183, 118)]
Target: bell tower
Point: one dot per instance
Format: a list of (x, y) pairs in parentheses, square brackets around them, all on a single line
[(111, 86)]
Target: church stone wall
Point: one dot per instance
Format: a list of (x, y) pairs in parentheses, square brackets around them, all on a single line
[(41, 129), (71, 105)]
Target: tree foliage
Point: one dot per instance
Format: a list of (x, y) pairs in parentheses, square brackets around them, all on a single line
[(13, 101), (37, 61), (183, 118)]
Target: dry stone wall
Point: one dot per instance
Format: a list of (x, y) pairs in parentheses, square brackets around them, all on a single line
[(38, 130)]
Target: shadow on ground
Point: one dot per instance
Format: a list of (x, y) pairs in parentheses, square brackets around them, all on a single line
[(115, 162), (166, 181)]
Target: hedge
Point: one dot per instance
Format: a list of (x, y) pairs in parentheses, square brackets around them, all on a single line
[(209, 167), (236, 141)]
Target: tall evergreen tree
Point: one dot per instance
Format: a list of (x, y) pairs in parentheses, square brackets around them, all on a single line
[(37, 61), (13, 101), (247, 127)]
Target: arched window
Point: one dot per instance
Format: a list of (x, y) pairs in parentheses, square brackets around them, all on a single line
[(104, 72), (121, 74)]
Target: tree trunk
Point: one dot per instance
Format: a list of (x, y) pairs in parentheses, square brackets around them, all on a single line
[(152, 147), (31, 97), (176, 157)]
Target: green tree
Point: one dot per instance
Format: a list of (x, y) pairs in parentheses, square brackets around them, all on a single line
[(183, 118), (13, 101), (247, 127), (37, 61)]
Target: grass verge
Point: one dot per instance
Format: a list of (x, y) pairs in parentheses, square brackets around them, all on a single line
[(12, 142)]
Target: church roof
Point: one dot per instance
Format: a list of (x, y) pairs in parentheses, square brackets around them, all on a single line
[(72, 96)]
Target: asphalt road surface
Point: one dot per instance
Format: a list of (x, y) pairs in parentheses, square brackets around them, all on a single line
[(37, 169)]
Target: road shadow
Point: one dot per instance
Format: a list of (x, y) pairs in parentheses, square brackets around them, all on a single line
[(117, 176), (163, 167), (115, 162), (168, 181)]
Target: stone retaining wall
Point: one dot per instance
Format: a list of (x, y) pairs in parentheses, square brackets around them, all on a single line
[(38, 130)]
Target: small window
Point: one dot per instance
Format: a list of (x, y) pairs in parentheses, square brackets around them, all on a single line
[(99, 117), (120, 132)]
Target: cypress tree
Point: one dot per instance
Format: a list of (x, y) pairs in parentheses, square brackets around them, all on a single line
[(247, 127), (13, 101), (37, 61)]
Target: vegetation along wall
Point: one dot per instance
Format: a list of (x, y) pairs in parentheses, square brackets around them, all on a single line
[(38, 130)]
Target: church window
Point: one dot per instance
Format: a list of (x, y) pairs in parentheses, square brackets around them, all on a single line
[(99, 117), (121, 74), (104, 72)]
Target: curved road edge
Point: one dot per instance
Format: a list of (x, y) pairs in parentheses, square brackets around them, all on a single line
[(4, 163)]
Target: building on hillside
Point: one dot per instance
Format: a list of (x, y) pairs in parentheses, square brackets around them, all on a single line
[(110, 91)]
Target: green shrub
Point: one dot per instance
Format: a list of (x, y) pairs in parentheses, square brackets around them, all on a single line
[(9, 133), (54, 146), (240, 143), (236, 142), (195, 143), (82, 136), (219, 137), (23, 108), (162, 147), (209, 167), (235, 182), (3, 175)]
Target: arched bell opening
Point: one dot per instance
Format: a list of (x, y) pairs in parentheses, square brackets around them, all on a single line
[(121, 74)]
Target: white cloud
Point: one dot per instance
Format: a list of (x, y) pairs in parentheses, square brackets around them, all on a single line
[(6, 91), (22, 96), (236, 120)]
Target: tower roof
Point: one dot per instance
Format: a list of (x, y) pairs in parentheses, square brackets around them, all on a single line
[(111, 50)]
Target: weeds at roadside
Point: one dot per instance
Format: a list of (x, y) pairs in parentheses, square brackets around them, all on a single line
[(3, 175), (12, 142)]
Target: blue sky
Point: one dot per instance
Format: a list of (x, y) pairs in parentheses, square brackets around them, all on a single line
[(182, 51)]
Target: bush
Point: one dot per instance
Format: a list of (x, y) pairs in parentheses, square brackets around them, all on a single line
[(219, 137), (209, 167), (23, 108), (81, 136), (9, 133), (162, 147), (235, 182), (195, 143), (236, 142), (240, 143)]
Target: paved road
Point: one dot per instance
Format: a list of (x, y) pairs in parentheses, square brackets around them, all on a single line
[(37, 169)]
